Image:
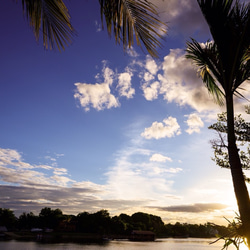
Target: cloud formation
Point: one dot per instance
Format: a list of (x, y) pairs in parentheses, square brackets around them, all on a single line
[(160, 158), (26, 186), (174, 79), (168, 128), (102, 96), (183, 16), (194, 123), (195, 208), (97, 95), (16, 171), (124, 84), (180, 84)]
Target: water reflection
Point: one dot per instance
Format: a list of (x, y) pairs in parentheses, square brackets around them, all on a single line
[(160, 244)]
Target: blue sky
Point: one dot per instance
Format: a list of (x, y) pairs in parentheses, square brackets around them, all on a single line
[(95, 127)]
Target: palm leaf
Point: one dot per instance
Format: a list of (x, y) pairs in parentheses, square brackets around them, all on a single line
[(51, 17), (229, 21), (129, 18), (205, 58)]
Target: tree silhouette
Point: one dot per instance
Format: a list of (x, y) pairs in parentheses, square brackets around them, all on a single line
[(223, 66), (125, 19)]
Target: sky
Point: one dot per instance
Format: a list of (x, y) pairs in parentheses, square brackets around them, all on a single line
[(96, 127)]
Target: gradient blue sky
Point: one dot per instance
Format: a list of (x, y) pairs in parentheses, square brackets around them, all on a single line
[(95, 127)]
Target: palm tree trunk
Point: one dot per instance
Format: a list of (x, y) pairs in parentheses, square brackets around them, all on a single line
[(239, 183)]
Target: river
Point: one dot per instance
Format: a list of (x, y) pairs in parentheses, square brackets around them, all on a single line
[(160, 244)]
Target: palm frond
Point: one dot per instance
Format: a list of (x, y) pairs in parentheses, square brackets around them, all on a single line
[(205, 58), (229, 20), (51, 17), (129, 18)]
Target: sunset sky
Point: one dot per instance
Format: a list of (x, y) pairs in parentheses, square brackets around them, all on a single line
[(96, 127)]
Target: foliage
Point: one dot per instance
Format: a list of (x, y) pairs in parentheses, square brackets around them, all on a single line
[(27, 221), (235, 235), (7, 218), (242, 134), (102, 223), (50, 218), (127, 19), (223, 66), (130, 18), (52, 19)]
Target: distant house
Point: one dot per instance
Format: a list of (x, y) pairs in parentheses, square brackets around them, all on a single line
[(138, 235)]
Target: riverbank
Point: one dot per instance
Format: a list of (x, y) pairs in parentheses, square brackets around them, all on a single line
[(53, 237), (68, 237)]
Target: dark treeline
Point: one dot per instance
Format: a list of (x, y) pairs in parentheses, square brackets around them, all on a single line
[(102, 223)]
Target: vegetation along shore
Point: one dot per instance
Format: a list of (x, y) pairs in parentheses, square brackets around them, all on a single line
[(51, 225)]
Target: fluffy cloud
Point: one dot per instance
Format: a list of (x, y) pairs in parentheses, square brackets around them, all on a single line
[(177, 81), (151, 65), (159, 158), (180, 84), (150, 91), (150, 86), (194, 123), (124, 84), (97, 95), (168, 128)]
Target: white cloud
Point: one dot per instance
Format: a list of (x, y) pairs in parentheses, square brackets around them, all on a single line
[(158, 130), (133, 184), (194, 123), (62, 181), (14, 170), (148, 77), (180, 83), (8, 155), (151, 65), (60, 171), (159, 158), (14, 158), (125, 85), (97, 95), (150, 91)]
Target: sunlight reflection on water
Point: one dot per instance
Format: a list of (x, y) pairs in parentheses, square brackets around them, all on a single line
[(161, 244)]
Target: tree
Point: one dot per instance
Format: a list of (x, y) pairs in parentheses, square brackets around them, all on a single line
[(223, 66), (242, 133), (50, 218), (27, 221), (125, 18), (7, 218)]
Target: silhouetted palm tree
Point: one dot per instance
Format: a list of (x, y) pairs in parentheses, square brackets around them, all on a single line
[(224, 64), (52, 19), (124, 18)]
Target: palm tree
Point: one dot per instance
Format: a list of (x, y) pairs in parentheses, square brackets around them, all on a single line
[(52, 19), (224, 64), (124, 18)]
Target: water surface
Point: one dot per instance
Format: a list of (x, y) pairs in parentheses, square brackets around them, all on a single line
[(160, 244)]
